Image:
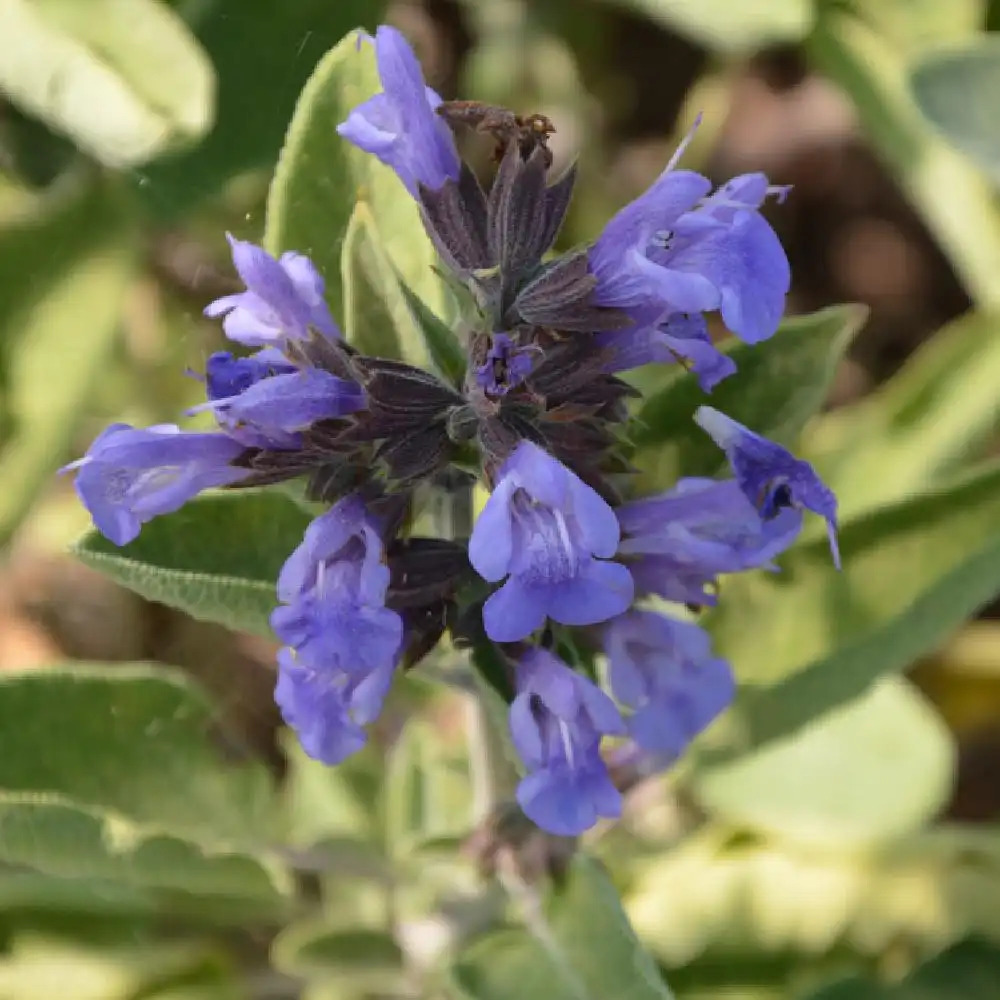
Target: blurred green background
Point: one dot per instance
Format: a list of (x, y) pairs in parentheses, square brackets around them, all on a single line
[(160, 842)]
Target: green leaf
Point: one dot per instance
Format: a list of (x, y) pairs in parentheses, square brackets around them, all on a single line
[(427, 793), (969, 970), (719, 24), (263, 53), (323, 803), (952, 89), (870, 66), (375, 311), (914, 25), (89, 906), (365, 958), (330, 821), (109, 775), (586, 951), (50, 834), (23, 890), (78, 261), (871, 771), (809, 639), (937, 411), (133, 739), (778, 386), (217, 558), (319, 176), (442, 346), (124, 80)]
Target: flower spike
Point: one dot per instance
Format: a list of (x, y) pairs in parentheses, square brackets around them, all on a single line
[(544, 581)]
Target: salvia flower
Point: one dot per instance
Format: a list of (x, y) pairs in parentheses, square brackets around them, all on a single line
[(227, 375), (551, 536), (565, 543), (770, 476), (678, 543), (663, 669), (272, 410), (747, 191), (283, 299), (400, 125), (681, 337), (130, 476), (678, 248), (342, 643), (557, 720)]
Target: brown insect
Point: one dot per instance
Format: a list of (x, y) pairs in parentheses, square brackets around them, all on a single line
[(528, 131)]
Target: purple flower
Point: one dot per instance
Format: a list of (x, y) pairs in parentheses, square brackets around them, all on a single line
[(680, 337), (557, 720), (542, 528), (506, 366), (227, 375), (283, 300), (677, 543), (771, 477), (273, 408), (400, 125), (678, 249), (342, 642), (626, 277), (327, 708), (130, 476), (743, 192), (664, 670)]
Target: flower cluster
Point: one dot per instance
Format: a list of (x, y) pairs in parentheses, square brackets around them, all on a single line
[(562, 562)]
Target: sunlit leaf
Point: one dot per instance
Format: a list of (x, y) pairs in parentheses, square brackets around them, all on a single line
[(952, 88), (724, 897), (739, 27), (375, 311), (124, 80), (39, 967), (443, 348), (74, 262), (871, 771)]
